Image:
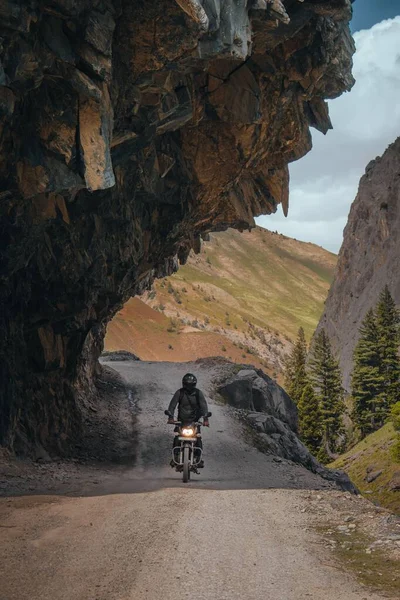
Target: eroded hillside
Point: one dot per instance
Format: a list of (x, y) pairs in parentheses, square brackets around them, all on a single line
[(244, 296)]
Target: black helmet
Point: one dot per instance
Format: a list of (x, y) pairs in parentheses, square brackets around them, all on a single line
[(189, 381)]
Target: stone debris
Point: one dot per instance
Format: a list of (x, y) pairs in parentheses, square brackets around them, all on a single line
[(369, 528)]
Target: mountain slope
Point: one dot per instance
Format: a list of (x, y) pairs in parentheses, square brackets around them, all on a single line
[(244, 296), (369, 256), (149, 334), (372, 468), (267, 278)]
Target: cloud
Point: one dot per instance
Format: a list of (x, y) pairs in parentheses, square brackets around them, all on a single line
[(366, 120)]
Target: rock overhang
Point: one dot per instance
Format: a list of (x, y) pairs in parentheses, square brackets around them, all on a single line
[(128, 129)]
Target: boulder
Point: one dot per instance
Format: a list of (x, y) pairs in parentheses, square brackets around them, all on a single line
[(268, 395), (256, 391), (279, 439), (237, 393), (372, 476), (394, 483), (273, 416)]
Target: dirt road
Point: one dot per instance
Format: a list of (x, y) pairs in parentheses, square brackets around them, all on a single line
[(238, 531)]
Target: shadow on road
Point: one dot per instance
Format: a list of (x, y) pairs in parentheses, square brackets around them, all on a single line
[(75, 480), (232, 462)]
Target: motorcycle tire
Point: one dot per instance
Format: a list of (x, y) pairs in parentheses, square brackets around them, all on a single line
[(186, 464)]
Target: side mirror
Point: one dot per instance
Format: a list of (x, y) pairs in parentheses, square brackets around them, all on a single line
[(166, 412), (208, 415)]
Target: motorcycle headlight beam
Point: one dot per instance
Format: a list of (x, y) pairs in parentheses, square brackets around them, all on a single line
[(189, 431)]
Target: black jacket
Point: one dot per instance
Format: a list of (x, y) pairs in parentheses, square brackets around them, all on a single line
[(192, 405)]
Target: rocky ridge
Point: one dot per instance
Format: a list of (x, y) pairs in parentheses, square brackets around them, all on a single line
[(369, 256), (272, 415), (127, 130)]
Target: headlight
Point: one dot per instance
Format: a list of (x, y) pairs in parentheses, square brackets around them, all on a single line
[(189, 431)]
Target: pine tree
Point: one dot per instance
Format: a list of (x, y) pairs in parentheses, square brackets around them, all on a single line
[(310, 424), (388, 320), (367, 380), (395, 418), (295, 368), (327, 382)]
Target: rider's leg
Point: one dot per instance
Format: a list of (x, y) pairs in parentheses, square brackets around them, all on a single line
[(175, 443), (199, 444)]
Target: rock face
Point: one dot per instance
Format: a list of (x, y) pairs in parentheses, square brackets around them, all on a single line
[(273, 416), (128, 129), (369, 256), (254, 391)]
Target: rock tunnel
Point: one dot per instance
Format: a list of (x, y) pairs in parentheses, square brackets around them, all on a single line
[(129, 129)]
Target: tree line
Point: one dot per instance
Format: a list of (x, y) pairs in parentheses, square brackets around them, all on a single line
[(313, 381)]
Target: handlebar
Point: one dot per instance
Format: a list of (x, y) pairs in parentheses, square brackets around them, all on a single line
[(180, 423), (170, 416)]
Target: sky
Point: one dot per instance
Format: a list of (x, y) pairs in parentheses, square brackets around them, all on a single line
[(365, 121)]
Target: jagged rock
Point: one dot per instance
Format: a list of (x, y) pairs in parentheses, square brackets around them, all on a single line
[(272, 414), (238, 393), (127, 130), (268, 395), (368, 258), (255, 391), (99, 31)]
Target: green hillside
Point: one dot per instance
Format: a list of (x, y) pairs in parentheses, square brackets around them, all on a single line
[(243, 297), (267, 279), (365, 460)]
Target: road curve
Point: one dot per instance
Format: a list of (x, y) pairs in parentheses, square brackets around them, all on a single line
[(236, 532)]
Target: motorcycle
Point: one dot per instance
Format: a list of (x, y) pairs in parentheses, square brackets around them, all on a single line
[(187, 455)]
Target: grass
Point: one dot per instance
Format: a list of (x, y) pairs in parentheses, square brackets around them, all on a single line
[(373, 454), (237, 283), (151, 335), (376, 570), (270, 280)]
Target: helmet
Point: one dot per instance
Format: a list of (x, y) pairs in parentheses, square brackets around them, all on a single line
[(189, 381)]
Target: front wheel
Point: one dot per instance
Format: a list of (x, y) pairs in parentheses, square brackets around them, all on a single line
[(186, 464)]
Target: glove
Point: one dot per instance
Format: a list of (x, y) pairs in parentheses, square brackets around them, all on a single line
[(171, 420), (206, 423)]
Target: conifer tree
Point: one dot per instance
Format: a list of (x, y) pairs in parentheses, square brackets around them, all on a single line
[(367, 380), (310, 424), (295, 368), (395, 418), (327, 382), (388, 320)]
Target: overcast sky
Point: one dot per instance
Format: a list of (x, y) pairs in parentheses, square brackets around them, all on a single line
[(365, 121)]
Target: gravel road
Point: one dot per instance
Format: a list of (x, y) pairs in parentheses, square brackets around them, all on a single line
[(240, 530)]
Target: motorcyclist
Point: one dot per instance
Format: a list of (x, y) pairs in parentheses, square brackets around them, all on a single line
[(192, 406)]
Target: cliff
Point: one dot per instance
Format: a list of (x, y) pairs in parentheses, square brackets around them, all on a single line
[(128, 128), (369, 257)]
